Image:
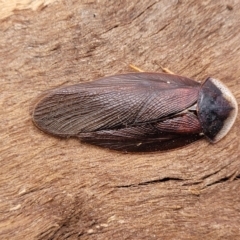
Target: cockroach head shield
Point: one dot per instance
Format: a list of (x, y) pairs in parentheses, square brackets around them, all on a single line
[(217, 109)]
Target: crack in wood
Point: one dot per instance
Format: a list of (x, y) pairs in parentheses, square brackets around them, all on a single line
[(150, 182)]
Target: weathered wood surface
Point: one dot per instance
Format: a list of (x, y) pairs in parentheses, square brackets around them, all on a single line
[(54, 188)]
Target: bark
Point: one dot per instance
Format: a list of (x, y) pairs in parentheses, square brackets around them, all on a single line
[(53, 188)]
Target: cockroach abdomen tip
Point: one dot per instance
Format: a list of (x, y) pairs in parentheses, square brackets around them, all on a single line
[(217, 109)]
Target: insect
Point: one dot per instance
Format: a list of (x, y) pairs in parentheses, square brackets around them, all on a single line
[(138, 111)]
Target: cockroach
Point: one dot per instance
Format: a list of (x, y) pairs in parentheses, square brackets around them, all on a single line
[(138, 111)]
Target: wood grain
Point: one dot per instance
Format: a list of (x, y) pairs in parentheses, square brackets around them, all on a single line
[(54, 188)]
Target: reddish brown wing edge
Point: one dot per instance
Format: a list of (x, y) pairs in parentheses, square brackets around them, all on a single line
[(146, 139)]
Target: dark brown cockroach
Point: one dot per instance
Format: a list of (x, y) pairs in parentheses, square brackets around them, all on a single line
[(138, 111)]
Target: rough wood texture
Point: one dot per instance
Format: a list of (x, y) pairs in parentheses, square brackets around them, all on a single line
[(54, 188)]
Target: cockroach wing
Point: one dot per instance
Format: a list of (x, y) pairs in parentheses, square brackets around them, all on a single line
[(166, 142), (167, 134), (113, 102)]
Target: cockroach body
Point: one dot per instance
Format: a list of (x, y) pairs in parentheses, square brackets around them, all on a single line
[(138, 111)]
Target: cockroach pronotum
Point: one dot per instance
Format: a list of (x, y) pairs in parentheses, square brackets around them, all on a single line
[(138, 111)]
